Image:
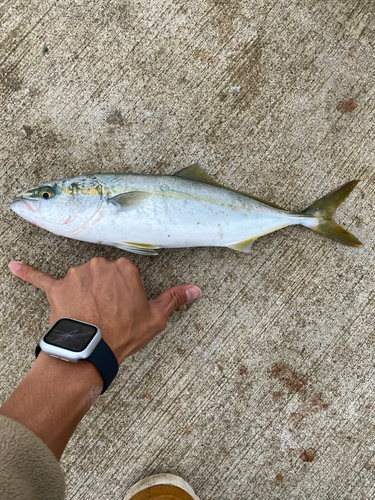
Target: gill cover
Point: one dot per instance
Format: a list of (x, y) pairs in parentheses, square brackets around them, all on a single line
[(63, 207)]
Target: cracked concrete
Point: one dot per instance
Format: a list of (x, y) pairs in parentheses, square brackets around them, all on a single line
[(264, 387)]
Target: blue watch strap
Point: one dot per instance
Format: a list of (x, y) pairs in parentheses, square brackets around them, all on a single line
[(103, 358), (105, 361)]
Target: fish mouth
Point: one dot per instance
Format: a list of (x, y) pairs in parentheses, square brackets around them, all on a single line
[(21, 205)]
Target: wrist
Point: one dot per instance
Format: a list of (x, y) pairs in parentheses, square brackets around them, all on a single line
[(52, 399), (81, 377)]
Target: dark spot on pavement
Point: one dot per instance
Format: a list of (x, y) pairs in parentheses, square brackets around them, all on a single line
[(28, 130), (49, 138), (296, 417), (296, 382), (115, 118), (347, 106), (277, 395), (242, 370), (308, 455), (9, 80), (279, 478), (313, 403), (293, 380), (352, 50)]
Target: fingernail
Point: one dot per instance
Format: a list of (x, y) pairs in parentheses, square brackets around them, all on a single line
[(193, 293), (14, 265)]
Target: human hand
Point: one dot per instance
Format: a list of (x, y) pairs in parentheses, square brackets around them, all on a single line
[(111, 295)]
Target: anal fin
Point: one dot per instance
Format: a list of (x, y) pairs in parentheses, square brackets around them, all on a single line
[(139, 248), (243, 246)]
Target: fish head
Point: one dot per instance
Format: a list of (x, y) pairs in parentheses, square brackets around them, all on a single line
[(63, 207)]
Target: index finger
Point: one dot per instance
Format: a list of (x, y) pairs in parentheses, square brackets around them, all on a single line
[(28, 273)]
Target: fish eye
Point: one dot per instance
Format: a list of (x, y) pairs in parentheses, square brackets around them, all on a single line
[(46, 193)]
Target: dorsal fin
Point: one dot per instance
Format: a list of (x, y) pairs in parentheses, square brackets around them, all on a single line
[(196, 173)]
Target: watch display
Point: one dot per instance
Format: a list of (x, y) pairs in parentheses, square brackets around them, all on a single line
[(71, 335)]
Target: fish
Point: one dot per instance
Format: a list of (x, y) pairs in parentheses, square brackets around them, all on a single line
[(141, 213)]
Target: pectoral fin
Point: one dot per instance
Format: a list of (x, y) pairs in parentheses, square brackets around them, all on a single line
[(128, 201), (243, 246), (139, 248)]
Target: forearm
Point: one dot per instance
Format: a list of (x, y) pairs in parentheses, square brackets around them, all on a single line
[(55, 394), (53, 398)]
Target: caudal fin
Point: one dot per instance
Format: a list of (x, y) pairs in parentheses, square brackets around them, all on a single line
[(323, 210)]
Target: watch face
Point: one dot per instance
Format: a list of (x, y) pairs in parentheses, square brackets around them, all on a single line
[(71, 335)]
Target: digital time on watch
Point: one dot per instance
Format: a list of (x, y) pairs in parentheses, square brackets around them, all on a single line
[(73, 340)]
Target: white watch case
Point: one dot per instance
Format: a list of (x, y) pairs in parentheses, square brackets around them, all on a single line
[(66, 354)]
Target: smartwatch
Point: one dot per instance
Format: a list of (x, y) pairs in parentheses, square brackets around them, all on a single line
[(73, 340)]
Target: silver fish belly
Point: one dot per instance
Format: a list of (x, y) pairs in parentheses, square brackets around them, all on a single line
[(179, 213)]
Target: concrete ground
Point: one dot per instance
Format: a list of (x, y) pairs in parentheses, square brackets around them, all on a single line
[(264, 387)]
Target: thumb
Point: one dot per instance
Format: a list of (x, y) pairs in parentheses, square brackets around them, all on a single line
[(31, 275), (175, 297)]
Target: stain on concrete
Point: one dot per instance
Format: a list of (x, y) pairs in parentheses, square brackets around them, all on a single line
[(246, 73), (296, 417), (225, 18), (353, 50), (295, 382), (115, 118), (313, 403), (27, 130), (49, 138), (242, 370), (308, 455), (279, 478), (220, 368), (203, 56), (347, 106), (9, 80)]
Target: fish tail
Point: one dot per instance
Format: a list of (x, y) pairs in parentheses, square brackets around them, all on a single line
[(322, 212)]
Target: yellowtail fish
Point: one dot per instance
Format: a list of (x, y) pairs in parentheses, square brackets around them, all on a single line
[(141, 213)]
